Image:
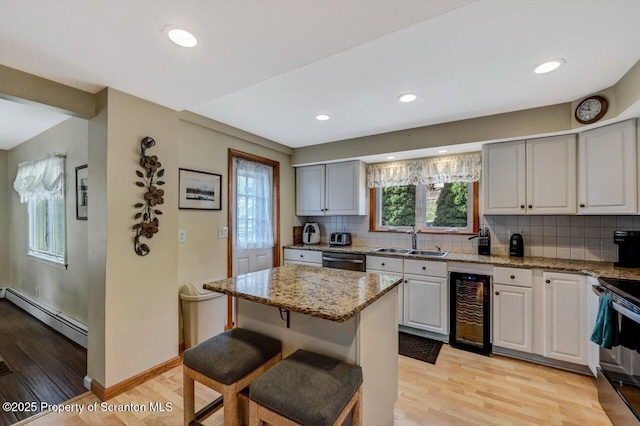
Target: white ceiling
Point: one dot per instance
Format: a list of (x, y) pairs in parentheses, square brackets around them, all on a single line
[(19, 122), (268, 67)]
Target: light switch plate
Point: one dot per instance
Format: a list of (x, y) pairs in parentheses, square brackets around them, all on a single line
[(182, 235), (223, 232)]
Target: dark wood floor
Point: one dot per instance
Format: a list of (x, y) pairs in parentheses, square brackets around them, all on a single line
[(44, 365)]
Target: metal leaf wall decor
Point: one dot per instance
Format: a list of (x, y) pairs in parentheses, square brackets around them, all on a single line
[(152, 198)]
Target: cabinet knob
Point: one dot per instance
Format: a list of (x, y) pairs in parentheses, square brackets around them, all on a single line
[(405, 281), (513, 277), (581, 205), (382, 264), (530, 206), (302, 255), (497, 293), (522, 206), (548, 281), (424, 268)]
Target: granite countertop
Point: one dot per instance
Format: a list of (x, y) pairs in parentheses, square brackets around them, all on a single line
[(595, 269), (331, 294)]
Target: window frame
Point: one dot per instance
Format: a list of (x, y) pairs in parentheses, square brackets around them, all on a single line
[(47, 256), (374, 207)]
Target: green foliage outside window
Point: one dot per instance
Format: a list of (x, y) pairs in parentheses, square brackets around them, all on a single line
[(451, 208), (399, 205)]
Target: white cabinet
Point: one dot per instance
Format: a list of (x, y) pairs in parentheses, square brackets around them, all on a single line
[(565, 317), (331, 189), (302, 257), (530, 177), (551, 175), (504, 178), (513, 309), (389, 265), (426, 297), (607, 170)]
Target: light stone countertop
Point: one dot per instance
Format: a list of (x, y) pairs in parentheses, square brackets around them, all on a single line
[(595, 269), (332, 294)]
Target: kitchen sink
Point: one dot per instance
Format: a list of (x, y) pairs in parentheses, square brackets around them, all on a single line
[(428, 253), (391, 250)]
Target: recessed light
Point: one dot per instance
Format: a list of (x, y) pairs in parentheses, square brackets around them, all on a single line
[(407, 97), (181, 37), (442, 151), (390, 158), (548, 66), (322, 117)]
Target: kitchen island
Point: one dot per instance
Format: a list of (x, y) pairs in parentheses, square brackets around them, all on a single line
[(351, 316)]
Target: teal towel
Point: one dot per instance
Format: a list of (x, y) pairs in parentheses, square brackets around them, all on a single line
[(605, 333)]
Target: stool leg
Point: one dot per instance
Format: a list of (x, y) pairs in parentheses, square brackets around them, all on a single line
[(356, 416), (253, 415), (230, 406), (188, 402)]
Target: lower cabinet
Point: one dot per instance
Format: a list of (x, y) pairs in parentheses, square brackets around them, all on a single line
[(513, 317), (593, 304), (565, 317), (389, 265), (426, 300), (302, 257)]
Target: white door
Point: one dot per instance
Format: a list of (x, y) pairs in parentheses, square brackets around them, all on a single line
[(513, 317), (503, 178), (607, 170), (252, 216), (310, 190), (551, 175), (342, 188), (425, 303), (565, 317)]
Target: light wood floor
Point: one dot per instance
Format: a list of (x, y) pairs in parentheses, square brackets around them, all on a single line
[(461, 389)]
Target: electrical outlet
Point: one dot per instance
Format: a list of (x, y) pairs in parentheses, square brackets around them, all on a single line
[(223, 232), (182, 236)]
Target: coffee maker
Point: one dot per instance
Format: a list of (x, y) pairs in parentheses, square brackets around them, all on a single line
[(628, 248), (516, 245)]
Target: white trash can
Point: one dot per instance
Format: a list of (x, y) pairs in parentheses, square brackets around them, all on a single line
[(204, 312)]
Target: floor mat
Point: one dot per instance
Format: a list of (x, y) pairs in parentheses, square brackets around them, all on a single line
[(419, 347), (4, 369)]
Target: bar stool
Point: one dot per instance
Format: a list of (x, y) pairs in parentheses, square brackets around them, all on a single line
[(307, 389), (226, 363)]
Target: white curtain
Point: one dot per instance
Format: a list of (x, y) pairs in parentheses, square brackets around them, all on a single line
[(42, 178), (254, 202), (454, 168)]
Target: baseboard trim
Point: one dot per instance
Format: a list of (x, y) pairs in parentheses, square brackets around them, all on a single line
[(180, 348), (106, 394)]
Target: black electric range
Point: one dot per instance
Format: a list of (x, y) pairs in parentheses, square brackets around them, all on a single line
[(624, 292)]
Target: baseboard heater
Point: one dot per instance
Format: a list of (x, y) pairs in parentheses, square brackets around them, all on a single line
[(63, 324)]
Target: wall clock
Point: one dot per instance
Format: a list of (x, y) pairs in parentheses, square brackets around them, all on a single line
[(591, 109)]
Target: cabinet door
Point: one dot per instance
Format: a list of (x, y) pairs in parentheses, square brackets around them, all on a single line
[(343, 188), (513, 317), (503, 178), (400, 293), (425, 303), (593, 304), (310, 186), (565, 317), (551, 175), (607, 170)]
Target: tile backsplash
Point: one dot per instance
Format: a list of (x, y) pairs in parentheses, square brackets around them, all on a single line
[(564, 237)]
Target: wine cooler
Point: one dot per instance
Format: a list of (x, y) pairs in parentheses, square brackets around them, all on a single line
[(470, 319)]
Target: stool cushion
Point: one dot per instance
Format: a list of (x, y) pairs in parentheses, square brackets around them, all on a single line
[(231, 355), (308, 388)]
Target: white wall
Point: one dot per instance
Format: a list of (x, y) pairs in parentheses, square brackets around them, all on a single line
[(65, 290), (4, 219)]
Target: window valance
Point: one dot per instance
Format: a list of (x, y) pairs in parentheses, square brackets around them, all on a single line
[(41, 178), (453, 168)]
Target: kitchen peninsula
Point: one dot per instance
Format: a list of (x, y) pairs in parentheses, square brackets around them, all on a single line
[(344, 314)]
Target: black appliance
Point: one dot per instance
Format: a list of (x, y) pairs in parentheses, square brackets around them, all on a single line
[(516, 245), (628, 248), (352, 262), (470, 312), (619, 369)]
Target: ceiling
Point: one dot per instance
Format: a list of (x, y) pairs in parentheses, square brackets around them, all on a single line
[(268, 67)]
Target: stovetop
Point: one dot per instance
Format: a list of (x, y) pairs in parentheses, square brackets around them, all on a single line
[(624, 292)]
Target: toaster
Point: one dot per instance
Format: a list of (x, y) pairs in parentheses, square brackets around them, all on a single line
[(340, 239)]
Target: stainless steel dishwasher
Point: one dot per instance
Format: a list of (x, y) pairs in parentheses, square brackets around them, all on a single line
[(350, 261)]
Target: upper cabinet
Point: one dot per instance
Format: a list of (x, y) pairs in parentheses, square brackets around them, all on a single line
[(331, 189), (530, 177), (607, 170)]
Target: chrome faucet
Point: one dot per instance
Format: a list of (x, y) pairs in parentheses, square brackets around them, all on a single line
[(414, 238)]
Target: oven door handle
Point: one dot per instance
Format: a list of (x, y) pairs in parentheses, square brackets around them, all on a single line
[(335, 259), (624, 311)]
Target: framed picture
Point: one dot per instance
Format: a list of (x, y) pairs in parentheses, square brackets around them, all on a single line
[(200, 190), (82, 192)]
